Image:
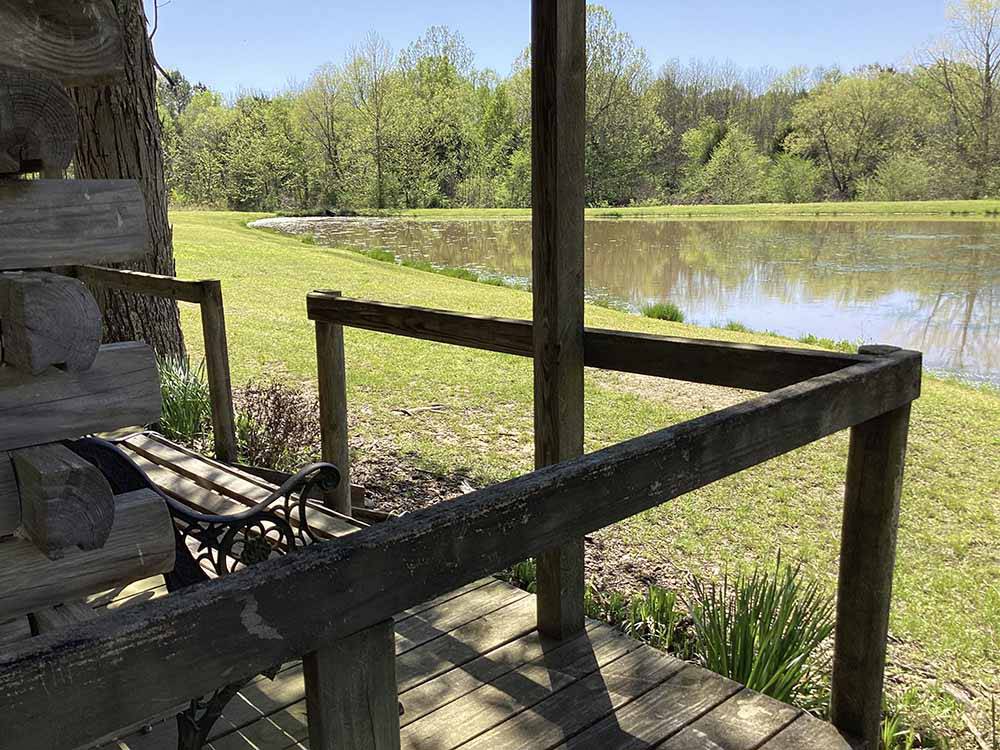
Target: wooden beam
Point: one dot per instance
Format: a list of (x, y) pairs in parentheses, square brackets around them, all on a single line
[(331, 369), (47, 319), (122, 389), (757, 368), (867, 560), (220, 384), (61, 616), (65, 501), (164, 652), (45, 223), (558, 125), (351, 697), (38, 124), (79, 42), (10, 497), (142, 283), (141, 545)]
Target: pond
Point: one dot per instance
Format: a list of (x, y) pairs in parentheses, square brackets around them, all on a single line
[(932, 285)]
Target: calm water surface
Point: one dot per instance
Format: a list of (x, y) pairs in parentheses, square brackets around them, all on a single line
[(921, 284)]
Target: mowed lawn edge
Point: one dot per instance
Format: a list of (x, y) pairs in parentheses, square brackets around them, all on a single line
[(946, 614), (988, 209)]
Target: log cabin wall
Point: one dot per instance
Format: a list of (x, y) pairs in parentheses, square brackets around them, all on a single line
[(63, 534)]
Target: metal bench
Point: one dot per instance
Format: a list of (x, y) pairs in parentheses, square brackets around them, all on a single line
[(225, 519)]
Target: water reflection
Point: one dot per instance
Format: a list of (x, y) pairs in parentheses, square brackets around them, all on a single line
[(928, 285)]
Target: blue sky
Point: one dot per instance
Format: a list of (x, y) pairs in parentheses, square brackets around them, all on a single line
[(257, 44)]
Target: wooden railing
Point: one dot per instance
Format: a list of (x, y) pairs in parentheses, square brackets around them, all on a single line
[(331, 603), (207, 294)]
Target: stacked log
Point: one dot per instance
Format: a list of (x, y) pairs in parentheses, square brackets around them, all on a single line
[(63, 533)]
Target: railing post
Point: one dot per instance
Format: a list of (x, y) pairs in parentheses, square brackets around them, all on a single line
[(351, 695), (220, 384), (558, 90), (332, 373), (867, 558)]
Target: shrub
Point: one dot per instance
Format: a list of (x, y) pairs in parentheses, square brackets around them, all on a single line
[(187, 406), (736, 171), (277, 426), (793, 179), (762, 629), (664, 311), (900, 177)]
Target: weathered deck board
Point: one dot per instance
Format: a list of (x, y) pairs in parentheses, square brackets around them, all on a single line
[(474, 673)]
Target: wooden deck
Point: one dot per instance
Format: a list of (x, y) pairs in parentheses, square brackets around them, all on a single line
[(473, 673)]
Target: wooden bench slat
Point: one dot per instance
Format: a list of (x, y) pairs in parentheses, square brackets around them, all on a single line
[(215, 484)]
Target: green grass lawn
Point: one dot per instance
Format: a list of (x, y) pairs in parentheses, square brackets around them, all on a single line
[(946, 612), (937, 209)]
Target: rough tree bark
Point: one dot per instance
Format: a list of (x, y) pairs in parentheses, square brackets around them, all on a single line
[(120, 139)]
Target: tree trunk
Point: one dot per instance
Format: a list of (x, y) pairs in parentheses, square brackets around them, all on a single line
[(120, 139)]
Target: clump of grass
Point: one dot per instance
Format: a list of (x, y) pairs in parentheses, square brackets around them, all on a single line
[(762, 629), (186, 416), (611, 606), (657, 618), (277, 426), (843, 345), (654, 617), (610, 303), (377, 253), (897, 731), (524, 575), (735, 325), (308, 239), (419, 265), (459, 273), (664, 311)]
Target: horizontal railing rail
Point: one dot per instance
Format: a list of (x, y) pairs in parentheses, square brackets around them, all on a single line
[(71, 687), (756, 368), (207, 294)]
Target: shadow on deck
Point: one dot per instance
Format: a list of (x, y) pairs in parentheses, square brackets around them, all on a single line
[(474, 673)]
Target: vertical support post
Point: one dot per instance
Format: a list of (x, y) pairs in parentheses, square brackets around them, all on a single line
[(558, 93), (351, 695), (867, 558), (220, 384), (332, 374)]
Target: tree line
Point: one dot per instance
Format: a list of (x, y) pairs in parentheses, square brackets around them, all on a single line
[(425, 128)]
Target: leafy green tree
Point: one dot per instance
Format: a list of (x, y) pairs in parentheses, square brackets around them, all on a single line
[(321, 116), (963, 72), (622, 125), (372, 84), (851, 123)]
